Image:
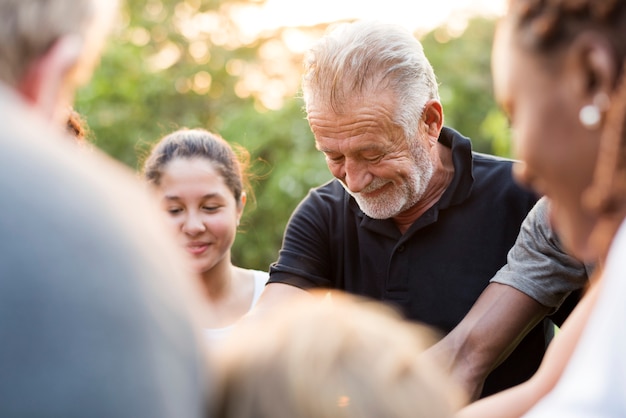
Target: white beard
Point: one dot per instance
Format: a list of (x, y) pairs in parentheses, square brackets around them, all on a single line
[(398, 197)]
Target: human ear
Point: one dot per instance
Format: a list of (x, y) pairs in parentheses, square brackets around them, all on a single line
[(595, 66), (432, 117), (47, 83), (592, 65), (240, 205)]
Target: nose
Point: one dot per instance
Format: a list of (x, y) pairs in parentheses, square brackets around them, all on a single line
[(356, 175), (193, 224)]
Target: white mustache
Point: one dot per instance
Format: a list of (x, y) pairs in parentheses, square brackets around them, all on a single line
[(374, 185)]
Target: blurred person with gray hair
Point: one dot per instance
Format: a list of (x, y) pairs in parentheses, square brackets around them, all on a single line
[(97, 312)]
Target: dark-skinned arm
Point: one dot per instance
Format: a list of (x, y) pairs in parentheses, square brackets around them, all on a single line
[(498, 321), (518, 400)]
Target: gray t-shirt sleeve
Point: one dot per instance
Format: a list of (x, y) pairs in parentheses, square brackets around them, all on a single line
[(538, 266)]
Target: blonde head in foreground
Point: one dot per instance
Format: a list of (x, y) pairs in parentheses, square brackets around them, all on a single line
[(329, 357)]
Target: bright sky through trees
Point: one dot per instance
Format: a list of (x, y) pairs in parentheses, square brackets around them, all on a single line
[(419, 15)]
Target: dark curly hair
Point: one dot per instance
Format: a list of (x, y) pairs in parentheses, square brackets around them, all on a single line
[(76, 125), (548, 23)]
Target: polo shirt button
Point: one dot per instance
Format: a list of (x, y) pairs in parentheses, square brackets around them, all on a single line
[(401, 249)]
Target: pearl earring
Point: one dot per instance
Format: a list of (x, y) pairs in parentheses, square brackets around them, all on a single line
[(591, 115)]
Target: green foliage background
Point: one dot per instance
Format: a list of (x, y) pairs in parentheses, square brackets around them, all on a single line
[(173, 64)]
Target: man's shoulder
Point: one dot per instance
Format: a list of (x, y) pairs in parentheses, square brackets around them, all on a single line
[(493, 180), (329, 193), (492, 160), (494, 169), (332, 186)]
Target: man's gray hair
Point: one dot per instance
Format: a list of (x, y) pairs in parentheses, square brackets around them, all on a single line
[(28, 28), (370, 57)]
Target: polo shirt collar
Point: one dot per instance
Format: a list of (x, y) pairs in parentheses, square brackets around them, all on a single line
[(461, 185)]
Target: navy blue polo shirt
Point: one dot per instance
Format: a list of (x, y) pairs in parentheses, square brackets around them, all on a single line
[(436, 270)]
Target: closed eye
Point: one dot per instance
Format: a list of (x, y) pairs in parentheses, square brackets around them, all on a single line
[(374, 159), (174, 211), (334, 158)]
